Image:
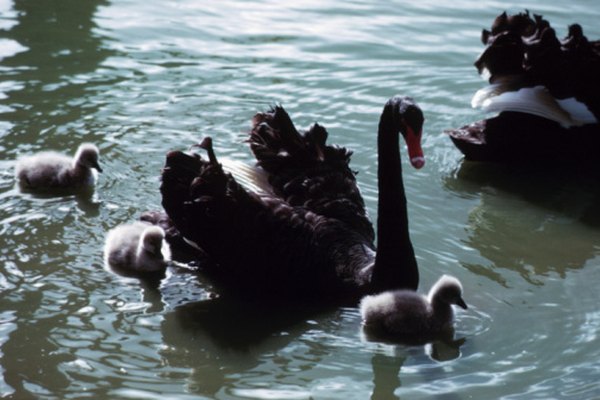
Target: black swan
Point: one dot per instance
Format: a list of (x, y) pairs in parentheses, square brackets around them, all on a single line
[(53, 170), (546, 91), (308, 234), (136, 248), (405, 314)]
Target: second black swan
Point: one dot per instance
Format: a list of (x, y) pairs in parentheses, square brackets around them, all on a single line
[(546, 92), (306, 234)]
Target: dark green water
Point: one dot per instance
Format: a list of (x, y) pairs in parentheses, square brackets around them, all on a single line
[(142, 78)]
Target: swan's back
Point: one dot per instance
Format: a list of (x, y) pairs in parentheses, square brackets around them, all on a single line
[(306, 236), (524, 53), (259, 244), (305, 171)]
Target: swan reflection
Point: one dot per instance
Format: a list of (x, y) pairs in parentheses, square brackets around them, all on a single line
[(530, 221)]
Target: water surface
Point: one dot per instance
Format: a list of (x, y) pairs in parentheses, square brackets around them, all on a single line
[(142, 78)]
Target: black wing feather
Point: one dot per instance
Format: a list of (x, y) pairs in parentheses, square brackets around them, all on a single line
[(307, 172), (257, 241)]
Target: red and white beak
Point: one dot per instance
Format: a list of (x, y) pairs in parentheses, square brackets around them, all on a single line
[(415, 152)]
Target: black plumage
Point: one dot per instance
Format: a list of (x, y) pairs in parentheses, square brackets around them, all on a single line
[(523, 52), (309, 235)]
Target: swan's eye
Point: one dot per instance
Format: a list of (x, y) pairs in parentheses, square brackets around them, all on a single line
[(414, 117)]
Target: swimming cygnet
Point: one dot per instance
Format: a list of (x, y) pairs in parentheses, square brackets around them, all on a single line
[(49, 169), (136, 248), (407, 314)]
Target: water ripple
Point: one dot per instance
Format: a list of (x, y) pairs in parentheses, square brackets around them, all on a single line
[(142, 78)]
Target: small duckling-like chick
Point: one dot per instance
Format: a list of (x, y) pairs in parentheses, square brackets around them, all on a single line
[(52, 170), (407, 314), (136, 248)]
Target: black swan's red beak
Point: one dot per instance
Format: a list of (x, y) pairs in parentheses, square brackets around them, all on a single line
[(415, 152)]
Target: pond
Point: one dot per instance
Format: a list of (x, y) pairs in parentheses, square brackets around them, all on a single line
[(141, 78)]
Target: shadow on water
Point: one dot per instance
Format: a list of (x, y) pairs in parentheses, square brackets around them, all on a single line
[(441, 347), (46, 86), (220, 337), (85, 198), (530, 220)]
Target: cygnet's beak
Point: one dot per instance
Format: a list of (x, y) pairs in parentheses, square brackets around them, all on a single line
[(97, 166), (461, 303)]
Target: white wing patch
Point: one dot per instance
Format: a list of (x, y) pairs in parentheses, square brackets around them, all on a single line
[(578, 110), (536, 101), (252, 178)]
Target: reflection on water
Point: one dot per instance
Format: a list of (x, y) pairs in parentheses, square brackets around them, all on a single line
[(43, 90), (386, 376), (528, 220), (220, 341), (213, 336), (387, 367), (571, 193), (85, 198), (46, 84), (441, 347)]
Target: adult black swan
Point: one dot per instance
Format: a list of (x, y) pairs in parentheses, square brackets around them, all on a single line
[(546, 91), (305, 233)]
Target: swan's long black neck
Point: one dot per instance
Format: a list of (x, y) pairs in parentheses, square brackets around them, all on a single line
[(395, 264)]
